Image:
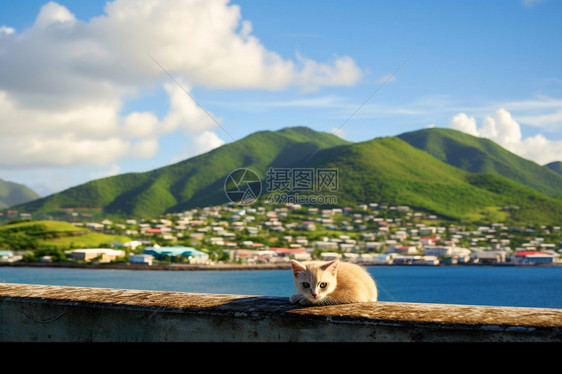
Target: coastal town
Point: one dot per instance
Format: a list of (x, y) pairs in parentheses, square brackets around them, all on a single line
[(369, 234)]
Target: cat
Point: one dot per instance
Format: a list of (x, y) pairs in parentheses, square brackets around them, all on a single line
[(332, 282)]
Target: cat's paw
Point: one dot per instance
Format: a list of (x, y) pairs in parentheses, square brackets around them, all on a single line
[(306, 302), (300, 299), (295, 298)]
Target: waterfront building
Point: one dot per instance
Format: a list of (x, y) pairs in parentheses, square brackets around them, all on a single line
[(534, 257), (193, 255), (488, 257), (446, 251), (141, 259), (9, 256), (98, 254)]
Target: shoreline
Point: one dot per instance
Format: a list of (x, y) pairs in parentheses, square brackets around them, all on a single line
[(171, 267), (224, 267)]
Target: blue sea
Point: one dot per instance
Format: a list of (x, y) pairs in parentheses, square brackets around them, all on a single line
[(470, 285)]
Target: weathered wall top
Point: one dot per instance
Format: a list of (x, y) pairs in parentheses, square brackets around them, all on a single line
[(55, 313)]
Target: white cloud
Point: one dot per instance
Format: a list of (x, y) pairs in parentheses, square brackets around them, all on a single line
[(64, 81), (113, 169), (63, 150), (52, 14), (207, 141), (201, 143), (343, 72), (504, 130), (208, 43), (184, 113), (140, 124), (464, 123), (548, 121), (145, 148), (6, 30)]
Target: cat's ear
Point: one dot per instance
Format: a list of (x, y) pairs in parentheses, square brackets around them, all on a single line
[(331, 267), (297, 267)]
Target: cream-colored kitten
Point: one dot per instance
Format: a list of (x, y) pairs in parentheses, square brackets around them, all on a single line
[(333, 282)]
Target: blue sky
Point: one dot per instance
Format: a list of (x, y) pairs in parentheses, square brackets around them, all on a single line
[(84, 96)]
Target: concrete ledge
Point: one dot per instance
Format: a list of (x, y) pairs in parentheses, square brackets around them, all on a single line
[(37, 313)]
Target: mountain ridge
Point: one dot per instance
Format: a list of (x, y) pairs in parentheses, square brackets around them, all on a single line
[(410, 176), (388, 169), (197, 181), (555, 166), (482, 155), (12, 193)]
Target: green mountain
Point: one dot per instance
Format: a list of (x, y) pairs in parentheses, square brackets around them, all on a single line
[(195, 182), (482, 155), (14, 193), (391, 170), (385, 170), (555, 166)]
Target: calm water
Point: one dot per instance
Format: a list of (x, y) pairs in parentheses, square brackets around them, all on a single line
[(476, 285)]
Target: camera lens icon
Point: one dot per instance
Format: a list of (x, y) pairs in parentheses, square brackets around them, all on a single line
[(242, 186)]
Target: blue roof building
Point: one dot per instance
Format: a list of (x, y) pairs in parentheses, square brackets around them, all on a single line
[(9, 256), (6, 254), (194, 255)]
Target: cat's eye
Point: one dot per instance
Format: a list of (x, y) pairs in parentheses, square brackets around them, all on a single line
[(306, 284), (323, 285)]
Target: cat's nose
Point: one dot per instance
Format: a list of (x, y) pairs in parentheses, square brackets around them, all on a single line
[(314, 294)]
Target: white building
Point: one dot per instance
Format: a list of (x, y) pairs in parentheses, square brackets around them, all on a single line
[(492, 257), (446, 251), (416, 260), (380, 258), (426, 260), (9, 256), (325, 245), (329, 256), (438, 251), (346, 247), (101, 254)]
